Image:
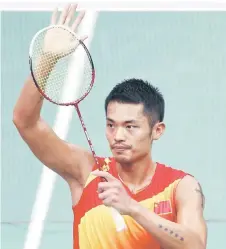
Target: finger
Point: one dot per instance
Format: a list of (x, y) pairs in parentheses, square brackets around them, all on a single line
[(70, 14), (110, 192), (78, 21), (83, 38), (103, 186), (109, 201), (104, 174), (54, 16), (64, 14)]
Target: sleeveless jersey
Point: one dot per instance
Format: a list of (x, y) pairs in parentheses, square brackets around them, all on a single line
[(93, 226)]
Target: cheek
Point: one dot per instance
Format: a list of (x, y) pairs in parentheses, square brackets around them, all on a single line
[(108, 135), (143, 142)]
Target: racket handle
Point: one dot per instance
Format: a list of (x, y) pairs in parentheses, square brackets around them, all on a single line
[(119, 220)]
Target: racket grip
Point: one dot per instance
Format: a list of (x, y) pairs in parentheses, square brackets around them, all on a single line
[(119, 220)]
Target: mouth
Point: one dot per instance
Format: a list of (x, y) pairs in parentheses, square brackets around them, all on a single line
[(120, 148)]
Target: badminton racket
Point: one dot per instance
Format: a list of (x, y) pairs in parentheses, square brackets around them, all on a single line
[(53, 52)]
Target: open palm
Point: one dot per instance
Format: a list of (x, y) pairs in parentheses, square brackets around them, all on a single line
[(59, 42)]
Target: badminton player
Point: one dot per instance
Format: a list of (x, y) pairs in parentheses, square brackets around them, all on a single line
[(162, 206)]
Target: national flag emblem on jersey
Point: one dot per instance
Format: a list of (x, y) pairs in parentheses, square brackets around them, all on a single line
[(162, 207)]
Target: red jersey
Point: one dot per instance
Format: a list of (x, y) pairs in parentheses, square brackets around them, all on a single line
[(94, 227)]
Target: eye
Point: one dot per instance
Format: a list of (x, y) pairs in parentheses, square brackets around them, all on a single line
[(110, 125), (129, 127)]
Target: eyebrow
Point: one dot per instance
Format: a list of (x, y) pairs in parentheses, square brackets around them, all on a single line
[(126, 121)]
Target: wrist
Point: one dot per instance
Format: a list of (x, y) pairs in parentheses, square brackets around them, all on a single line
[(134, 208)]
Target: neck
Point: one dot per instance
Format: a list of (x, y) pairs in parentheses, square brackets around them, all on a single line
[(138, 172)]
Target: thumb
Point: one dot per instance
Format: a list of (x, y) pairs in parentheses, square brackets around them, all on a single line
[(83, 38)]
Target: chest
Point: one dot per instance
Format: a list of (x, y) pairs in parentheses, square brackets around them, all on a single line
[(96, 228)]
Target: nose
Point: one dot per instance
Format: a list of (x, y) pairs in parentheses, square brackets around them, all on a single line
[(119, 135)]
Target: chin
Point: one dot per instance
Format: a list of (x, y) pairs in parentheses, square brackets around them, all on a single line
[(122, 159)]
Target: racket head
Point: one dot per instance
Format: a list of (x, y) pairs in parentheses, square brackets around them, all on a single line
[(35, 50)]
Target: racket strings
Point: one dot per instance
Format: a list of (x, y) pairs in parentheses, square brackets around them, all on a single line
[(53, 72), (52, 82)]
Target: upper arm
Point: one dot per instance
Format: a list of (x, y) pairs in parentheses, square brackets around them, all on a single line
[(69, 161), (190, 203)]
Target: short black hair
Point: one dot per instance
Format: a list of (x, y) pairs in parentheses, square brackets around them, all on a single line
[(138, 91)]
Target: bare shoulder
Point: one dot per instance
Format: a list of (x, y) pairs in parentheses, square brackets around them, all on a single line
[(188, 189), (190, 203)]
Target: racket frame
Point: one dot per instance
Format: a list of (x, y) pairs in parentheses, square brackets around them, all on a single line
[(88, 55)]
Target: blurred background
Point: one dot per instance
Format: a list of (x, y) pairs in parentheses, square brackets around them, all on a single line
[(183, 53)]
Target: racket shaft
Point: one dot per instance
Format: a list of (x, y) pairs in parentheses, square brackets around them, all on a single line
[(86, 134)]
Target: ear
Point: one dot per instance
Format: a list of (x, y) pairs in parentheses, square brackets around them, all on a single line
[(158, 130)]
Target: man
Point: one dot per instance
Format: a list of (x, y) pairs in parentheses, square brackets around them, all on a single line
[(162, 206)]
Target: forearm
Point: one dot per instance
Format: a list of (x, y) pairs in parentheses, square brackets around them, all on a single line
[(28, 107), (169, 234)]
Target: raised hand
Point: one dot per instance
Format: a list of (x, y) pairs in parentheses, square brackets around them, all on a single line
[(57, 42)]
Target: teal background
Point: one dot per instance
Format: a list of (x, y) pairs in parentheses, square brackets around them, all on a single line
[(183, 53)]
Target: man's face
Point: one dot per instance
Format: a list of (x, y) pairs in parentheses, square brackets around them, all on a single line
[(128, 132)]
